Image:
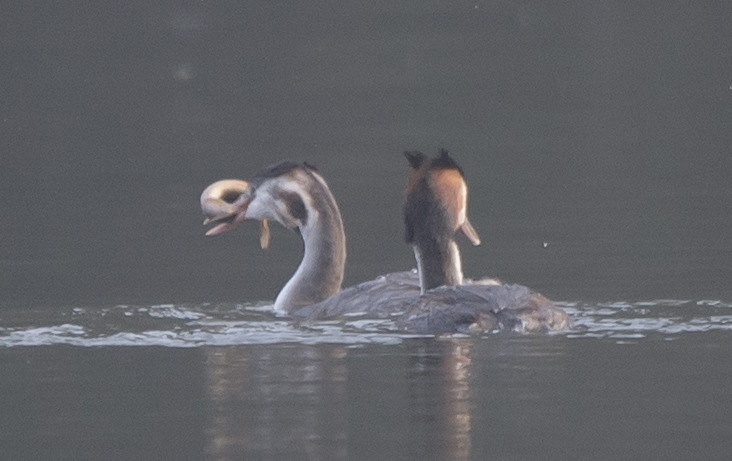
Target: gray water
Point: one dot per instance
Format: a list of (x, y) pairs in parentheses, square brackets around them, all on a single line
[(646, 380), (597, 145)]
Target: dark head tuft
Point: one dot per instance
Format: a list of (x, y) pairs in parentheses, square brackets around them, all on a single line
[(443, 160), (282, 168), (278, 169), (415, 158)]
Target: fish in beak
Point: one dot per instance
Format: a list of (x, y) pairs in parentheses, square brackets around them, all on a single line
[(225, 203)]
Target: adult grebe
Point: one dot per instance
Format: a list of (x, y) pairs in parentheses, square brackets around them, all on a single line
[(298, 197), (436, 207), (434, 210)]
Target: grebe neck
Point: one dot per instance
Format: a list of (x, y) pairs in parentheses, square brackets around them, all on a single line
[(438, 263), (320, 272)]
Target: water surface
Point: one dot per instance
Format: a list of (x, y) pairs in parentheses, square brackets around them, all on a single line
[(634, 380), (595, 137)]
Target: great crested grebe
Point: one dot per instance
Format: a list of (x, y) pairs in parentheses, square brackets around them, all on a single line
[(297, 196), (435, 209)]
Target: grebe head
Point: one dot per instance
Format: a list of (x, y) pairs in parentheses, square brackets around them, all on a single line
[(296, 196), (217, 204), (434, 210), (220, 203), (437, 198)]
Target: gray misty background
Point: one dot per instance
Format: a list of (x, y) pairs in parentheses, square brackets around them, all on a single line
[(602, 128)]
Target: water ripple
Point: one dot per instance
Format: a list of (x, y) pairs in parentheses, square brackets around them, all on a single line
[(180, 326), (184, 325), (639, 319)]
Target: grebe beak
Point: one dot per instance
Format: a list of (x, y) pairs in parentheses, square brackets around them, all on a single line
[(225, 203), (470, 232)]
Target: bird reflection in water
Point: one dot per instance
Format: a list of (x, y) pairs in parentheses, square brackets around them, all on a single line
[(439, 384), (312, 402), (277, 402)]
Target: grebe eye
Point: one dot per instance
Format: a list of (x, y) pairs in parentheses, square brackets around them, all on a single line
[(231, 196)]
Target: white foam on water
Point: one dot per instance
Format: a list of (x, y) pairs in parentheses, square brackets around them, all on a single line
[(207, 324)]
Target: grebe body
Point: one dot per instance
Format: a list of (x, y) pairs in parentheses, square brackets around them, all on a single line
[(433, 299)]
